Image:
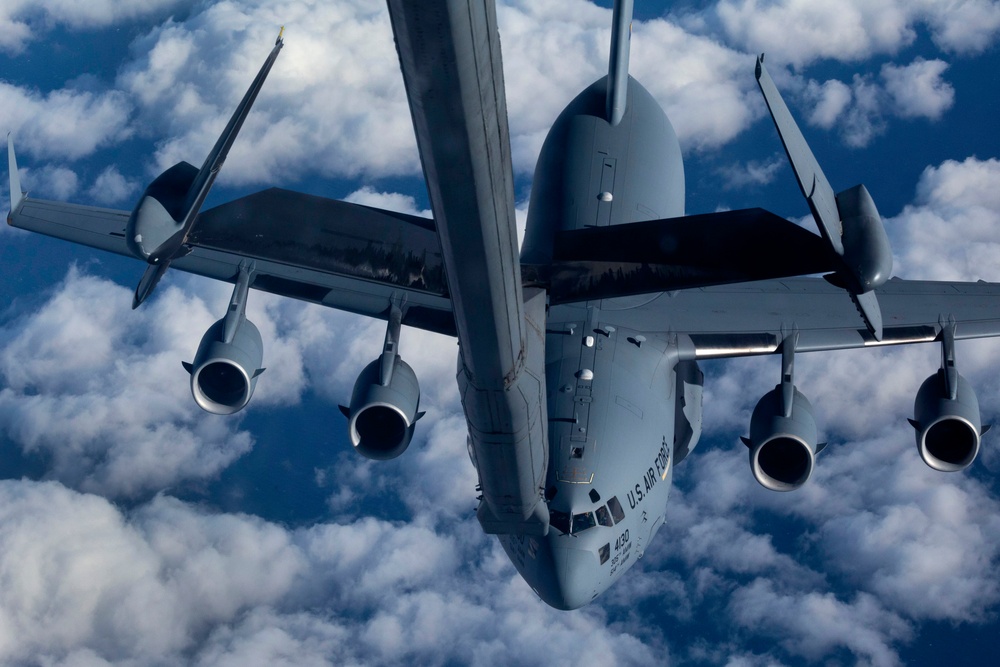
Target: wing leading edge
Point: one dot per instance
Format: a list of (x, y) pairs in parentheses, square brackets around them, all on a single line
[(754, 318), (334, 253)]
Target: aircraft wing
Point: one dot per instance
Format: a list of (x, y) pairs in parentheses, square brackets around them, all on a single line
[(334, 253), (753, 318)]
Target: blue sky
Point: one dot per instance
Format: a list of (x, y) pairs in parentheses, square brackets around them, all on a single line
[(136, 529)]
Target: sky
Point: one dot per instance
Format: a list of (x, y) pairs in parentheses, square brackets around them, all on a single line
[(136, 529)]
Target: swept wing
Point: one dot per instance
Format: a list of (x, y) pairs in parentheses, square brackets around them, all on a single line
[(334, 253)]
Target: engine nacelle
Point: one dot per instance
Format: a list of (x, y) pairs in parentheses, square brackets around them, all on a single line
[(782, 449), (224, 374), (948, 430), (382, 415)]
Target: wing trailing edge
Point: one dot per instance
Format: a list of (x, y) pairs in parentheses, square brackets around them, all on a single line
[(678, 253)]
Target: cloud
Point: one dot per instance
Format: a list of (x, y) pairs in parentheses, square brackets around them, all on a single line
[(830, 100), (344, 124), (170, 582), (49, 182), (348, 117), (390, 201), (22, 21), (85, 389), (803, 32), (111, 187), (849, 569), (753, 172), (820, 624), (63, 123), (862, 109), (917, 90), (956, 201)]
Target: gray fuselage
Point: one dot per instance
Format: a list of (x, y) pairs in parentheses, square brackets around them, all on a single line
[(620, 407)]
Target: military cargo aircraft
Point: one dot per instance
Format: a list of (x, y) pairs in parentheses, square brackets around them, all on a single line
[(578, 363)]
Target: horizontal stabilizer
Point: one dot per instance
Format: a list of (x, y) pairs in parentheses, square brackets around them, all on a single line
[(678, 253)]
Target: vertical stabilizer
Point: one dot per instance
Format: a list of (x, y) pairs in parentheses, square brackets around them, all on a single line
[(16, 195), (621, 32)]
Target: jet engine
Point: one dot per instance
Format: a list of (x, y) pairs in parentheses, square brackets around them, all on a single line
[(383, 409), (225, 369), (224, 373), (782, 439), (947, 422)]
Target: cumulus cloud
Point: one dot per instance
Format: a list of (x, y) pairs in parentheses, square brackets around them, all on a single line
[(111, 187), (917, 90), (803, 32), (848, 569), (390, 201), (752, 173), (169, 582), (862, 109), (347, 117), (22, 21), (343, 123), (957, 202), (49, 181), (101, 410), (63, 123)]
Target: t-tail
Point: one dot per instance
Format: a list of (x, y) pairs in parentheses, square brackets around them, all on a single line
[(160, 224)]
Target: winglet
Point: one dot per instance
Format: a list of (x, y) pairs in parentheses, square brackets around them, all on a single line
[(847, 221), (16, 195), (815, 188)]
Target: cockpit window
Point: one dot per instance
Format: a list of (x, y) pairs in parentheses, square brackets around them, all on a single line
[(559, 520), (604, 516), (616, 509), (582, 522)]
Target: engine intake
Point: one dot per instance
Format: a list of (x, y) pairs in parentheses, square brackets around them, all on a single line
[(224, 374), (782, 448), (383, 409), (948, 429)]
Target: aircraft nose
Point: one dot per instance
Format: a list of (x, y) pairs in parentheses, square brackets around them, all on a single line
[(574, 580)]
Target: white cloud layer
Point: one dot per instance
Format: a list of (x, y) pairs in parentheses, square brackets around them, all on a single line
[(801, 32), (848, 570)]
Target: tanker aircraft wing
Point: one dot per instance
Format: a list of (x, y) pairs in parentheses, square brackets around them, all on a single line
[(325, 251)]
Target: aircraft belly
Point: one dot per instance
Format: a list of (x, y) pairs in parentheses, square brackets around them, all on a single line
[(611, 420)]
